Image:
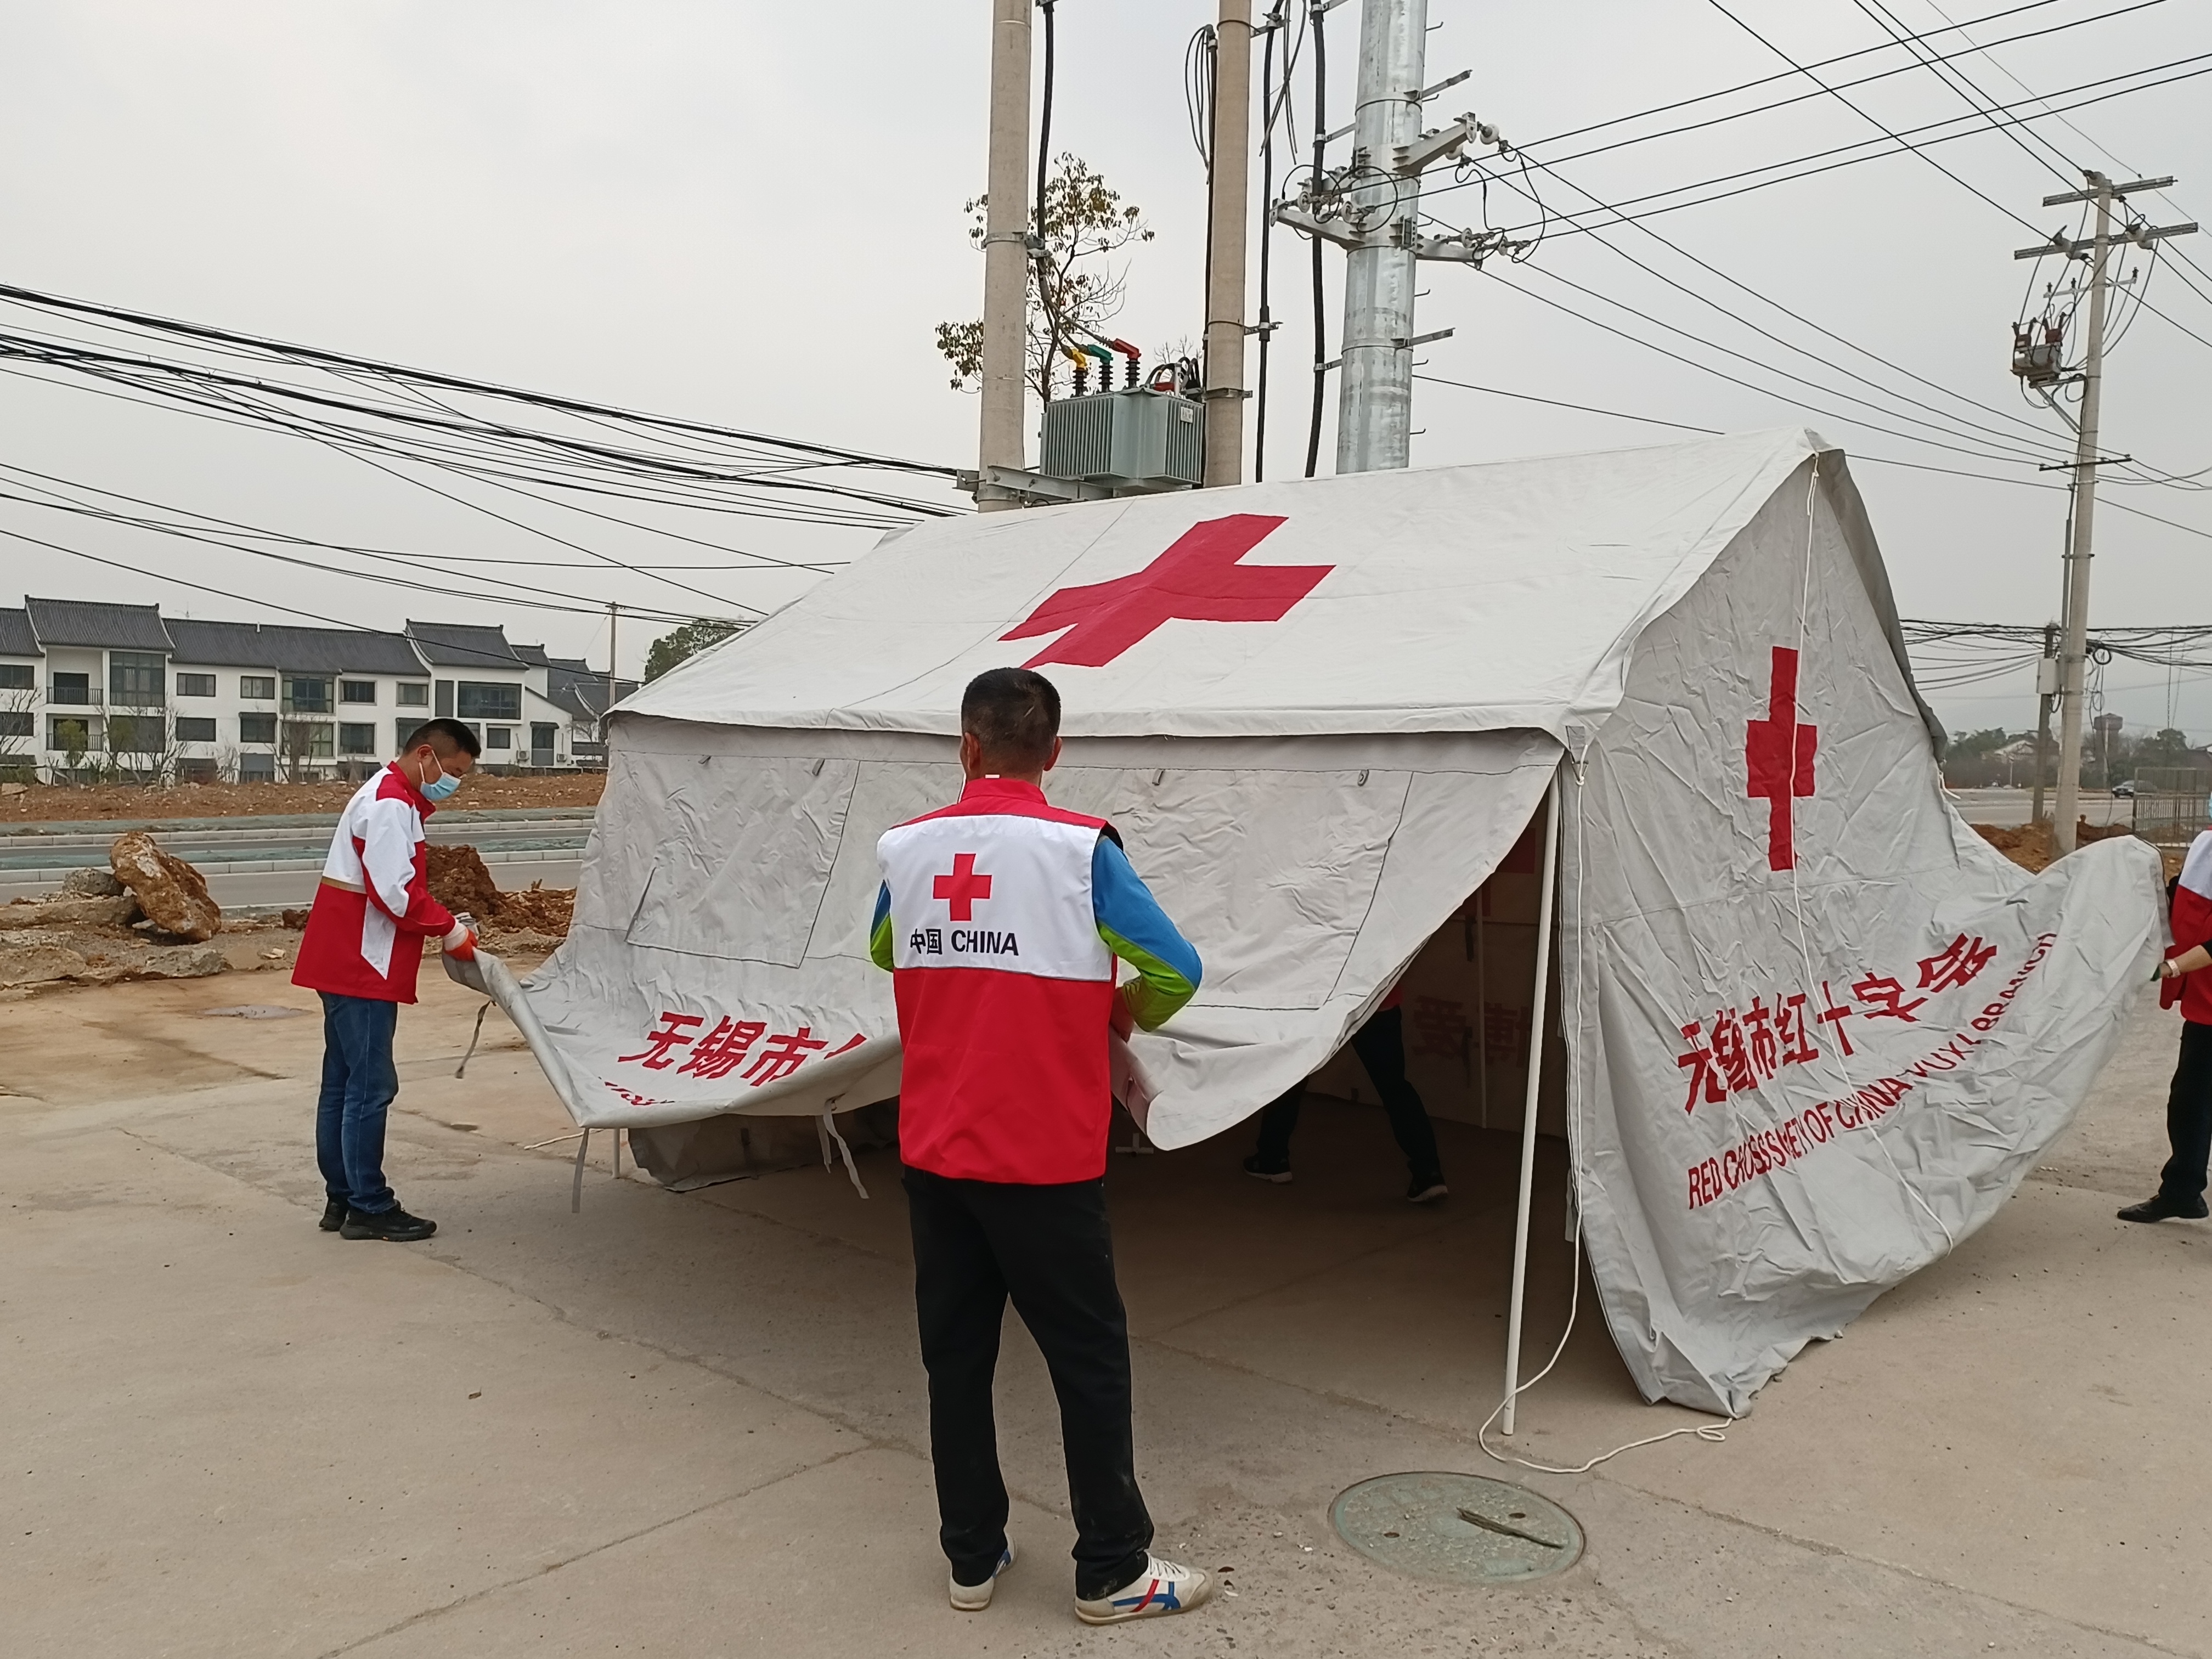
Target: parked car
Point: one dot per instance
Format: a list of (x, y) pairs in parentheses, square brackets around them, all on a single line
[(2125, 789)]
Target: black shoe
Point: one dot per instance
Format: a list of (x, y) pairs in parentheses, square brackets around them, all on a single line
[(334, 1215), (1427, 1188), (393, 1225), (2163, 1208), (1278, 1172)]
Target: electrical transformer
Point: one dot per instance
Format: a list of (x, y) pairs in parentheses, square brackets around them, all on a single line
[(1134, 442)]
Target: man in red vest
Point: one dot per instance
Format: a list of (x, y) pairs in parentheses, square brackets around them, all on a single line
[(363, 945), (1002, 920), (2180, 1195)]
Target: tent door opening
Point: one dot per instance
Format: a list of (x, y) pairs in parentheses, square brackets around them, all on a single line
[(1484, 1042)]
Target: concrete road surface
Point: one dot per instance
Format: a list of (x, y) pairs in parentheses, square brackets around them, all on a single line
[(275, 860), (2007, 808), (695, 1425)]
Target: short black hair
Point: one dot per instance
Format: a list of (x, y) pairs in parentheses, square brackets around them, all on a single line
[(444, 737), (1013, 715)]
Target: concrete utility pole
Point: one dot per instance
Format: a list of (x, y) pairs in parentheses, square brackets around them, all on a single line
[(2074, 648), (2048, 660), (1371, 207), (1005, 251), (606, 723), (1229, 170), (1375, 407)]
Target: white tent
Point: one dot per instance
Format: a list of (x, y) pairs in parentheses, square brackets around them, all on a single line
[(1816, 1030)]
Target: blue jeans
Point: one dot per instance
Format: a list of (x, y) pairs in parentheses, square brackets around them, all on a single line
[(359, 1085)]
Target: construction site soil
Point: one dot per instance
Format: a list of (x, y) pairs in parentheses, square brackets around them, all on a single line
[(2028, 845), (45, 803)]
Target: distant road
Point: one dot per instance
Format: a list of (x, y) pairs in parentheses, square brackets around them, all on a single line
[(2007, 808), (277, 860)]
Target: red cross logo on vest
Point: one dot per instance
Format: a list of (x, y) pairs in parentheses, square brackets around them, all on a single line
[(962, 887), (1778, 756), (1197, 579)]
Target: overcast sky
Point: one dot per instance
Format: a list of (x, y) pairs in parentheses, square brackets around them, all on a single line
[(751, 214)]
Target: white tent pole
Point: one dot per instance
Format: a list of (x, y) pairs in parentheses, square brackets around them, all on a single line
[(1482, 1008), (1536, 1017)]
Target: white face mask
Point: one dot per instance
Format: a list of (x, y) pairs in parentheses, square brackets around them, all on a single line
[(443, 785)]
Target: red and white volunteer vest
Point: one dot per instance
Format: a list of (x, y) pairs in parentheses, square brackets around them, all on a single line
[(1004, 989), (373, 906)]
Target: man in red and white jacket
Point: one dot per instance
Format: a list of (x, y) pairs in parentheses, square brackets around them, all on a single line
[(2180, 1192), (362, 950), (1002, 920)]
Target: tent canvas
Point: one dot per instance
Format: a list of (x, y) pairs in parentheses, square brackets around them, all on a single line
[(1816, 1030)]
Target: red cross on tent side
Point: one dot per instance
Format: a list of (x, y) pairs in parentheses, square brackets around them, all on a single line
[(1777, 758), (1199, 579)]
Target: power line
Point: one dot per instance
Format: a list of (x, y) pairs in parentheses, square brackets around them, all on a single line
[(1768, 79), (1650, 345), (166, 378), (1966, 128), (515, 597), (1899, 40), (2036, 431), (1959, 82), (225, 593), (1586, 408), (189, 533), (1855, 455), (32, 297), (1862, 115)]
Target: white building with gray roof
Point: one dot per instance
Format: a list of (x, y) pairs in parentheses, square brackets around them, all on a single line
[(91, 689)]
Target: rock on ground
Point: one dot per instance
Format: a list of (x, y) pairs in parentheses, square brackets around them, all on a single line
[(172, 894), (44, 958), (91, 882), (117, 912)]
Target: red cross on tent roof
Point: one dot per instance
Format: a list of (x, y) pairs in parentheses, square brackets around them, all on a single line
[(1778, 756), (1199, 579)]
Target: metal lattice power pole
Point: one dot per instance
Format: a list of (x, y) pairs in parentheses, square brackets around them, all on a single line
[(1375, 407), (1005, 250), (1230, 146), (2073, 648)]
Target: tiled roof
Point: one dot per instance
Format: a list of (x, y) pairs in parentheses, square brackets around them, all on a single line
[(17, 638), (97, 625), (585, 695), (463, 645), (294, 650)]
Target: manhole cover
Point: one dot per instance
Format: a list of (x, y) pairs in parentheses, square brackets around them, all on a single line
[(1457, 1529), (252, 1011)]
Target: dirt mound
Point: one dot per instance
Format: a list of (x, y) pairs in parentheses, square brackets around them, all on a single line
[(542, 909), (46, 803), (459, 881), (2028, 845)]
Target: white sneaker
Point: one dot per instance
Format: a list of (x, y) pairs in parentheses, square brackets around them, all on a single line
[(1162, 1587), (974, 1598)]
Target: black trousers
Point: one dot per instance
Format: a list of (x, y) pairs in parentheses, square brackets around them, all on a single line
[(1381, 1046), (2188, 1118), (975, 1243)]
